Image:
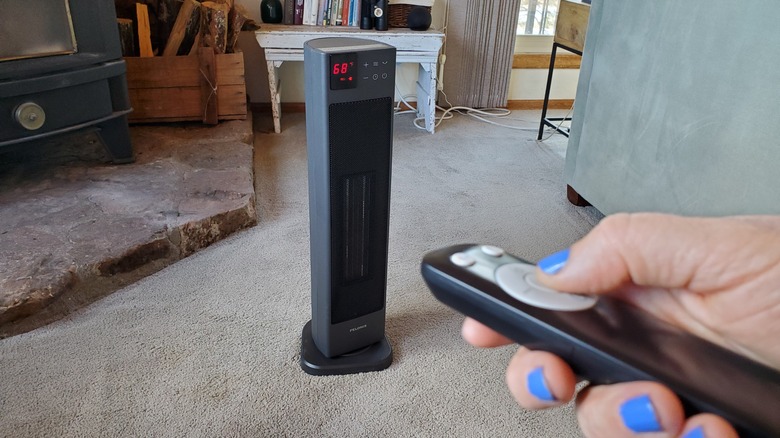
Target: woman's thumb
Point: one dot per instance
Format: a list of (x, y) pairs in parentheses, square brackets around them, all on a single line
[(647, 249)]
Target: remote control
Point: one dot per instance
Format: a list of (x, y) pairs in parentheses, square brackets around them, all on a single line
[(604, 340)]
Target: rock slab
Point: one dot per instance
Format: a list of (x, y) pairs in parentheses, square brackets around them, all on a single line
[(75, 227)]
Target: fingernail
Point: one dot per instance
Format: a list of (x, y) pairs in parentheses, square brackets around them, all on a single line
[(695, 433), (638, 415), (554, 262), (538, 387)]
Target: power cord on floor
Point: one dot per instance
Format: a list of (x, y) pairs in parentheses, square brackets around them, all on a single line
[(481, 114), (557, 128)]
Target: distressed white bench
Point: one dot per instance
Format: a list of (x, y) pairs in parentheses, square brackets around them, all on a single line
[(285, 43)]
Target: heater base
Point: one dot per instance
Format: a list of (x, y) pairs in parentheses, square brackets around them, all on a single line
[(375, 357)]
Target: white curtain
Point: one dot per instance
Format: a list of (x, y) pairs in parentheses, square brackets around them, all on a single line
[(479, 46)]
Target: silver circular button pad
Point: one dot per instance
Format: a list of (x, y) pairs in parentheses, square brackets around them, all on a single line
[(518, 280)]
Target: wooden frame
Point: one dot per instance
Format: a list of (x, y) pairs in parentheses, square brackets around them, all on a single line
[(179, 88), (572, 25)]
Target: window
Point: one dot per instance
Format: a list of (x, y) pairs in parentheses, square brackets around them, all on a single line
[(537, 17), (536, 25)]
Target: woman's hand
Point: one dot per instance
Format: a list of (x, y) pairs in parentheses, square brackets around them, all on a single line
[(718, 278)]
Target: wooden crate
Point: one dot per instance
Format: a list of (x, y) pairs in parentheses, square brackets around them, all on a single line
[(175, 88)]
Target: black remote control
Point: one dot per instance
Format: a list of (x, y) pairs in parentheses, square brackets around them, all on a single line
[(604, 340)]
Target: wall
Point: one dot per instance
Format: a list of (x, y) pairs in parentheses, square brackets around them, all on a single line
[(529, 84), (524, 84)]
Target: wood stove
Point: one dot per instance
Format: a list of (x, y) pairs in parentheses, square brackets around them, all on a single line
[(61, 70)]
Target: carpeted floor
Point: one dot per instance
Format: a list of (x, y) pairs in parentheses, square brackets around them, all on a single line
[(209, 346)]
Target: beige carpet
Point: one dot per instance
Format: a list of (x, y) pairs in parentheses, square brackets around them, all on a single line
[(209, 346)]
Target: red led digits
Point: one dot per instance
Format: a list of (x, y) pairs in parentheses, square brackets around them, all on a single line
[(343, 67), (340, 68)]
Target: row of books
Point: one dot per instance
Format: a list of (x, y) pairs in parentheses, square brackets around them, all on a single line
[(323, 12)]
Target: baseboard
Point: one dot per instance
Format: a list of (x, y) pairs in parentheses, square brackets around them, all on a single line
[(534, 104), (542, 61), (530, 104)]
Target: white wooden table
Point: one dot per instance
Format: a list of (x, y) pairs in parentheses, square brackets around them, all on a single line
[(285, 43)]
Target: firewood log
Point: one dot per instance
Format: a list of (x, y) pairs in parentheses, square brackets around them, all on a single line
[(167, 13), (185, 29), (214, 26), (144, 31), (126, 36), (236, 20)]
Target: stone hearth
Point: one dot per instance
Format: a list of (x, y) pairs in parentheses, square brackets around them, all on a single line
[(74, 227)]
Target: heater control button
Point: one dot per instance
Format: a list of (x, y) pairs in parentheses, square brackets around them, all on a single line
[(30, 115)]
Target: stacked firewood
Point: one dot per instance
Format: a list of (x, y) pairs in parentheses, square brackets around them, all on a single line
[(178, 27)]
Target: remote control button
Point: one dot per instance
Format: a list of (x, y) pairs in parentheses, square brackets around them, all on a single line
[(531, 280), (519, 282), (491, 250), (585, 300), (511, 278), (463, 259)]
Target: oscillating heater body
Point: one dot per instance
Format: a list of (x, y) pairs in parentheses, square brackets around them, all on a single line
[(350, 86)]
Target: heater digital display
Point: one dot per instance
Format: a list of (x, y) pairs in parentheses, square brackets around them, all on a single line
[(343, 71)]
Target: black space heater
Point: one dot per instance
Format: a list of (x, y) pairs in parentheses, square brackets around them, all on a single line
[(350, 86)]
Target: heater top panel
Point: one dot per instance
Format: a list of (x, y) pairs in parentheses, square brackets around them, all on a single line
[(348, 69), (331, 45)]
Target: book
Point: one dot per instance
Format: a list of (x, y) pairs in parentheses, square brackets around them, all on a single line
[(337, 12), (354, 14), (313, 11), (298, 14), (334, 4), (289, 12), (326, 14), (306, 12), (345, 13), (321, 13)]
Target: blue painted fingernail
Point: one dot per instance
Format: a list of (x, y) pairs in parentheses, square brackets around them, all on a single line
[(538, 387), (554, 262), (695, 433), (638, 415)]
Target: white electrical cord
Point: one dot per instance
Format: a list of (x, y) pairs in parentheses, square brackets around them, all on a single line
[(559, 124), (482, 114)]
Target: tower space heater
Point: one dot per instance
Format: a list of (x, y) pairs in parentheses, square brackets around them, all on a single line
[(350, 86)]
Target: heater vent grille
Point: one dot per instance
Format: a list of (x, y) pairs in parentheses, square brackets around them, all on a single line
[(360, 150), (356, 223)]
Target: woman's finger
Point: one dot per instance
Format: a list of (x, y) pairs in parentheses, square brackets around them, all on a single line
[(480, 335), (706, 426), (628, 409), (538, 379)]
